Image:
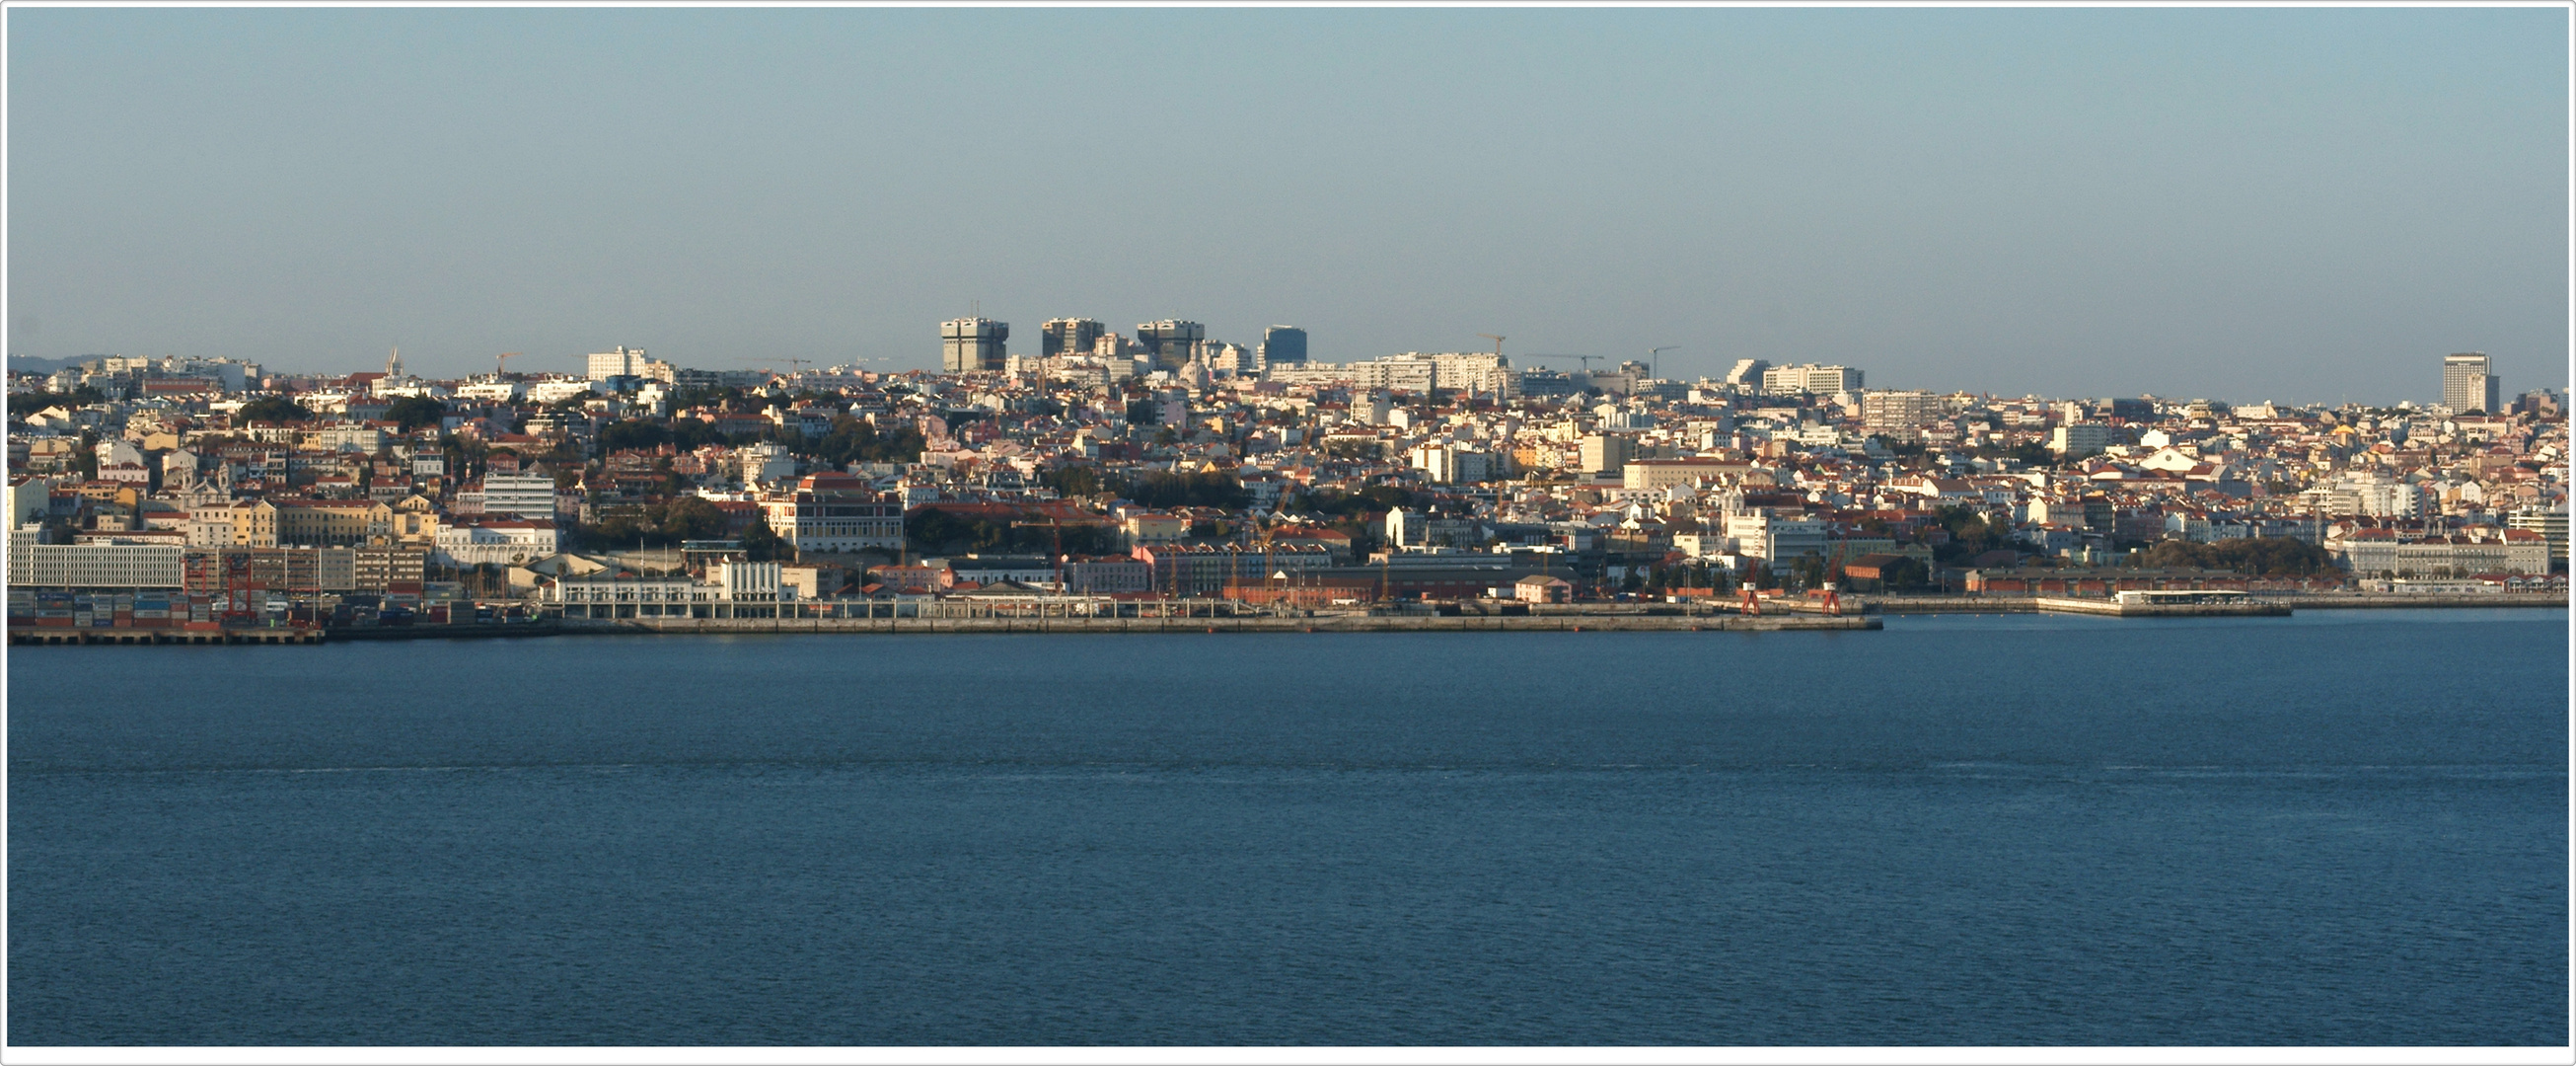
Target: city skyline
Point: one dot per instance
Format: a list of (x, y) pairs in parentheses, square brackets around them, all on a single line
[(2299, 206)]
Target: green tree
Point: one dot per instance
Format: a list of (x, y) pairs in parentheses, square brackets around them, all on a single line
[(761, 544), (1072, 480), (413, 412), (274, 409), (1905, 575), (2254, 555), (1809, 570), (28, 403), (1165, 489), (854, 440), (633, 434)]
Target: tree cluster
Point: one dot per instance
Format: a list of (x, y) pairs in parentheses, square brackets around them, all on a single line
[(274, 409), (413, 412), (660, 524), (28, 403), (1165, 489), (686, 434), (853, 440), (937, 532), (2259, 556), (1970, 534)]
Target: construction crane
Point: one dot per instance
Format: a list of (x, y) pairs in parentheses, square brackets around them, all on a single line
[(1653, 364), (1498, 361), (1587, 359), (501, 365)]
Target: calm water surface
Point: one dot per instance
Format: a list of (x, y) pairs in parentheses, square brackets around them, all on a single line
[(2344, 827)]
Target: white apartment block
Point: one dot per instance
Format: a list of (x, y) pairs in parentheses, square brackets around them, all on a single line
[(524, 495), (92, 566), (619, 363), (2079, 438), (1810, 377)]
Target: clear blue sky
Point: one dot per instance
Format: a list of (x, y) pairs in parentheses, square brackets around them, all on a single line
[(2283, 204)]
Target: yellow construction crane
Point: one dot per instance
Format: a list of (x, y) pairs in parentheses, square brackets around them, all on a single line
[(502, 365)]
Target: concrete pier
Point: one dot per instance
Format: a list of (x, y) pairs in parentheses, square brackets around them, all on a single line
[(2114, 608)]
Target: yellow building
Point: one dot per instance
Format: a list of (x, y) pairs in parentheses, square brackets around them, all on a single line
[(271, 523), (414, 521)]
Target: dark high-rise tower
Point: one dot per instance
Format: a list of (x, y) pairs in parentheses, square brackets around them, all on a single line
[(1283, 344), (1170, 340), (971, 344), (1068, 336)]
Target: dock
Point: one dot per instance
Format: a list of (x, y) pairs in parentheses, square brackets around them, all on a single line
[(136, 635)]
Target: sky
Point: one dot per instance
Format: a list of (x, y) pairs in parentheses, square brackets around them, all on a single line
[(2299, 205)]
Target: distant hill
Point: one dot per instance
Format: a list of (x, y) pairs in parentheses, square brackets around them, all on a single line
[(28, 364)]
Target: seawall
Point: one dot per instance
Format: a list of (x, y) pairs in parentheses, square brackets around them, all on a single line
[(1624, 623)]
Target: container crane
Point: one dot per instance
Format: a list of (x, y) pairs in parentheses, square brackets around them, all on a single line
[(1833, 599)]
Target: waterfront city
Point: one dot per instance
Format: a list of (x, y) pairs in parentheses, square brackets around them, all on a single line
[(1009, 534), (1161, 471)]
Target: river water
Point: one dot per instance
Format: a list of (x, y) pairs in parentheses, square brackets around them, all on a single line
[(2342, 827)]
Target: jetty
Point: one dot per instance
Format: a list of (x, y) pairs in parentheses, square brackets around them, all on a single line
[(2166, 604)]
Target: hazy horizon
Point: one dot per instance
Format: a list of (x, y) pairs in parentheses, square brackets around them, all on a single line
[(2298, 205)]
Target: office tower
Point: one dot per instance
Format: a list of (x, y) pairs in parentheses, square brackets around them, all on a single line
[(622, 363), (1169, 341), (967, 345), (2468, 383), (1282, 344), (1068, 336)]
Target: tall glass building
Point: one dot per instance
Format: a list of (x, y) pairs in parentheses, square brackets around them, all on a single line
[(1282, 344)]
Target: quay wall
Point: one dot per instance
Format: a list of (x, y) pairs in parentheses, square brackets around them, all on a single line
[(1316, 624), (2305, 601)]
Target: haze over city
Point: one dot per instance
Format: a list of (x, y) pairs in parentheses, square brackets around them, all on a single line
[(2298, 205)]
